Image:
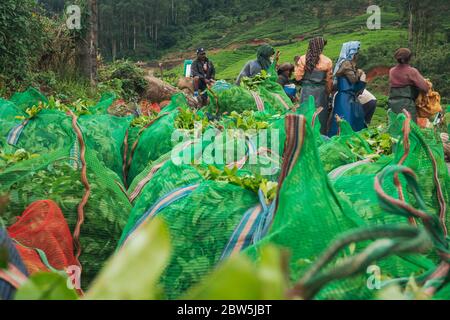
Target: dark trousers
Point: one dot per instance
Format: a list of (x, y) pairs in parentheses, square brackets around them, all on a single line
[(369, 110)]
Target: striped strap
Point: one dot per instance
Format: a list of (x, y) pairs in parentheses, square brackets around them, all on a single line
[(75, 161), (259, 102), (14, 133), (252, 227), (140, 186), (285, 105), (162, 203), (13, 276), (339, 172)]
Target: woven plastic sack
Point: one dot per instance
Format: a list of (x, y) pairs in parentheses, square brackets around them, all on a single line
[(43, 238), (57, 176), (14, 275), (102, 106)]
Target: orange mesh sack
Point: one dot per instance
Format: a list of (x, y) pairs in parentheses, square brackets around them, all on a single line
[(43, 238)]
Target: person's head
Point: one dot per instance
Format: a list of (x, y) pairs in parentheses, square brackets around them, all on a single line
[(403, 56), (349, 52), (287, 69), (201, 54), (264, 55), (315, 49)]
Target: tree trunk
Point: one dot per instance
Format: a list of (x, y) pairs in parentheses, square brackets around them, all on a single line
[(87, 46), (93, 41)]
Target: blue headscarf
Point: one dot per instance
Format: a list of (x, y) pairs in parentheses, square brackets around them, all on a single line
[(348, 52)]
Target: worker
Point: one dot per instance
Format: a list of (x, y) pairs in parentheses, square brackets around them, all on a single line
[(351, 83), (369, 105), (285, 72), (264, 59), (314, 72), (405, 84), (204, 73)]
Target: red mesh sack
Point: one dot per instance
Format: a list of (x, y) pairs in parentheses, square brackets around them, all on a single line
[(43, 238)]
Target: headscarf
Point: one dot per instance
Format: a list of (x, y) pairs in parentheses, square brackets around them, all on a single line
[(263, 54), (348, 52), (315, 49), (403, 55)]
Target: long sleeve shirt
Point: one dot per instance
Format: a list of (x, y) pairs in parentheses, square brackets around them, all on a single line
[(203, 70), (404, 75), (251, 69), (325, 64), (348, 69)]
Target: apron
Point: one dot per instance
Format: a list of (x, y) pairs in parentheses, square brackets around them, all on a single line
[(347, 106), (315, 84), (404, 98)]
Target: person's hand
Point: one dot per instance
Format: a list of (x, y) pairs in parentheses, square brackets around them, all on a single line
[(363, 77), (277, 56)]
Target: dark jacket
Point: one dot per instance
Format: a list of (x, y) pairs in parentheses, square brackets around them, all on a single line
[(198, 71)]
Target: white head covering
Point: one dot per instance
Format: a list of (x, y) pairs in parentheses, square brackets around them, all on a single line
[(348, 51)]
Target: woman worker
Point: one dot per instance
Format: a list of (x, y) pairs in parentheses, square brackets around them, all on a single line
[(405, 84), (314, 71), (351, 82), (264, 59)]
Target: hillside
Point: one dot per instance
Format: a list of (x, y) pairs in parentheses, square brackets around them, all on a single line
[(232, 47)]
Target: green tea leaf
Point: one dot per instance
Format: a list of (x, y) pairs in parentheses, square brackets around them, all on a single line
[(46, 286)]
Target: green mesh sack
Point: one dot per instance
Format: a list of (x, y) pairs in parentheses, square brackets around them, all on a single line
[(233, 99), (343, 149), (106, 135), (356, 181), (160, 180), (9, 111), (201, 218), (27, 99), (57, 176), (310, 215), (48, 131), (155, 140), (105, 102)]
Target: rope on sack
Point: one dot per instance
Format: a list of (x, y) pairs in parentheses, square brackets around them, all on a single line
[(436, 229), (407, 149), (85, 181), (124, 159), (135, 144), (389, 240), (316, 114)]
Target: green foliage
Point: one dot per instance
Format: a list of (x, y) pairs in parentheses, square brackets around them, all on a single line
[(187, 119), (245, 121), (124, 78), (252, 183), (46, 286), (253, 83), (22, 39), (7, 160)]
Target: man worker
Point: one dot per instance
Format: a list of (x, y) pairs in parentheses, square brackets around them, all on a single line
[(204, 73)]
